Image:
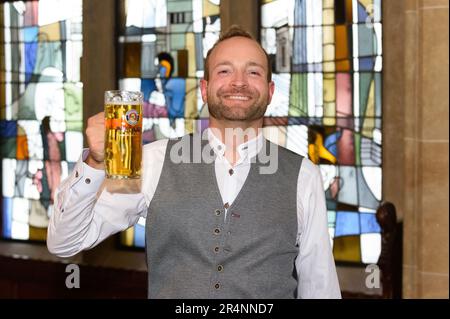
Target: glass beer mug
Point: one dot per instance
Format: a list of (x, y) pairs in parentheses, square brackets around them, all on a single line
[(123, 134)]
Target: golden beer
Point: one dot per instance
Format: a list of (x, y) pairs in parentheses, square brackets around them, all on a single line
[(123, 137)]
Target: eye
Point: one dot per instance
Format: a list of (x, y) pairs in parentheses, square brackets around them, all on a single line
[(224, 71), (254, 73)]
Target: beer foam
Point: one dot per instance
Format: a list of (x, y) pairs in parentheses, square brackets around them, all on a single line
[(123, 103)]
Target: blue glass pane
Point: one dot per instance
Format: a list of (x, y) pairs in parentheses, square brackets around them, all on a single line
[(369, 224), (139, 235), (362, 13), (7, 217), (147, 87), (366, 41), (174, 92), (331, 143), (31, 34), (347, 223), (366, 64), (8, 128), (30, 59)]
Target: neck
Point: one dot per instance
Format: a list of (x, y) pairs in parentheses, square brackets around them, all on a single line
[(234, 133)]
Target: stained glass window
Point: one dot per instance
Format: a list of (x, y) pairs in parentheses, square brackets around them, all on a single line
[(161, 47), (41, 110), (327, 64)]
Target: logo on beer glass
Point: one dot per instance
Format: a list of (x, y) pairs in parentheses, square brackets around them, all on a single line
[(132, 117)]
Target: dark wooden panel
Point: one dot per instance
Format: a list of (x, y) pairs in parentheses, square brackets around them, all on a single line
[(22, 278)]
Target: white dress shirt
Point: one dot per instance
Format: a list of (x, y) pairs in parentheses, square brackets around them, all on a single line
[(86, 213)]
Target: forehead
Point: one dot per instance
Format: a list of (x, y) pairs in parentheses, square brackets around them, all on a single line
[(239, 50)]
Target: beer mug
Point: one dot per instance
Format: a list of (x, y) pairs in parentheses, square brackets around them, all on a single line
[(123, 134)]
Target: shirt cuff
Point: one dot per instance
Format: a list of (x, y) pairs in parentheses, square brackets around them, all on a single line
[(88, 175)]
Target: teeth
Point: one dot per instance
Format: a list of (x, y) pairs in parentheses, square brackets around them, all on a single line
[(237, 97)]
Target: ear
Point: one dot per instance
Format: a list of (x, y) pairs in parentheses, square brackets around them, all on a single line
[(271, 91), (204, 90)]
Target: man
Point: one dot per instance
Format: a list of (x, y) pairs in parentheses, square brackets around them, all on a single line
[(223, 229)]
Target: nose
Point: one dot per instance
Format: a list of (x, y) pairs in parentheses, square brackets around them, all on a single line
[(239, 80)]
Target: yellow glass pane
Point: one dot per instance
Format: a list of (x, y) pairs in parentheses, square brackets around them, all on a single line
[(127, 237), (328, 4), (317, 150), (329, 89), (50, 32), (328, 16), (347, 248), (190, 46), (189, 126), (329, 67), (369, 120), (210, 9), (2, 96), (36, 233), (190, 108), (328, 36)]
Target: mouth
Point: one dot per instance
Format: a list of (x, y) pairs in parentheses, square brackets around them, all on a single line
[(237, 97)]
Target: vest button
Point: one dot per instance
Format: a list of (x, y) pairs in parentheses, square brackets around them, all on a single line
[(226, 205), (217, 231), (87, 180), (218, 212), (219, 268), (217, 286), (216, 249)]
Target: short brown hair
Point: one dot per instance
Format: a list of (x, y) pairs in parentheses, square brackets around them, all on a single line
[(236, 31)]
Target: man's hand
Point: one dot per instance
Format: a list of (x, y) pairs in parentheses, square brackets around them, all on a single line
[(95, 133)]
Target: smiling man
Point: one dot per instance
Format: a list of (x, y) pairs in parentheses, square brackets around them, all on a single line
[(214, 229)]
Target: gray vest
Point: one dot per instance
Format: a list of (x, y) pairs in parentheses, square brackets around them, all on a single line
[(193, 252)]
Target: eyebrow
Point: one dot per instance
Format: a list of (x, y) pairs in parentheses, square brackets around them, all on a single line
[(251, 63)]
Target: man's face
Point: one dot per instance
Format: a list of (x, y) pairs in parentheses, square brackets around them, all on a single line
[(237, 89)]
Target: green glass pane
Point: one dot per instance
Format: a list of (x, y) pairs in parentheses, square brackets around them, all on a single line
[(73, 107), (366, 41), (365, 80), (179, 5), (8, 147), (378, 94), (298, 104)]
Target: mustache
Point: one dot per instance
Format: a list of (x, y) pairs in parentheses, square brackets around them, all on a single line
[(244, 91)]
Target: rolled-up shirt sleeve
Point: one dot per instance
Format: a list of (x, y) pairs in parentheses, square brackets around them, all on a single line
[(85, 213), (316, 270)]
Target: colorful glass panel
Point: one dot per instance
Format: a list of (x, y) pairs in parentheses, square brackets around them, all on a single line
[(41, 110)]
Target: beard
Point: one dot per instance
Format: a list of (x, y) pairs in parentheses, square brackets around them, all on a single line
[(219, 110)]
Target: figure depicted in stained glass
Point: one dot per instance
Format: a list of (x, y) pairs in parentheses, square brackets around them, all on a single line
[(174, 88), (51, 174)]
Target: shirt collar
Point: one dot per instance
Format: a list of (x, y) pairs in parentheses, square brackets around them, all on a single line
[(246, 150)]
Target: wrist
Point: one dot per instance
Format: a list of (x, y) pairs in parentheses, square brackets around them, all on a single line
[(94, 163)]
